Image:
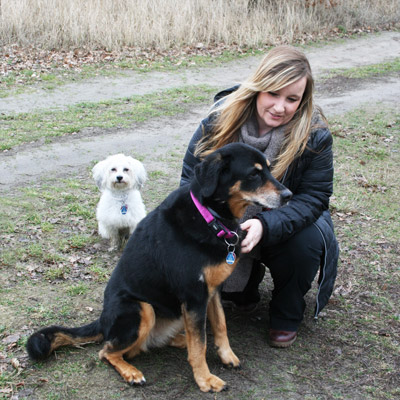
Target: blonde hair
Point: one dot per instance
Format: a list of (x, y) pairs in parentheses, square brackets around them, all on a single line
[(281, 67)]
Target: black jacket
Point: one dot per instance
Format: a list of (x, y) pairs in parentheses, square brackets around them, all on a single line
[(310, 178)]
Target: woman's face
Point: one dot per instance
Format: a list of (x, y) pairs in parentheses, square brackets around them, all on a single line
[(278, 108)]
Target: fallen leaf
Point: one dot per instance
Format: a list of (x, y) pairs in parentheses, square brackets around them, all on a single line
[(11, 339), (15, 363)]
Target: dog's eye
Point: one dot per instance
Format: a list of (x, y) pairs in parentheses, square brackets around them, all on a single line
[(113, 169), (254, 174), (126, 169)]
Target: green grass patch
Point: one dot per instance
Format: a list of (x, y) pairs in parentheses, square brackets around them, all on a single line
[(366, 71), (367, 148), (23, 128), (78, 289)]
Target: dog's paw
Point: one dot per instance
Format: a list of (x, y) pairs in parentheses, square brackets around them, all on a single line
[(228, 358), (232, 366), (138, 381), (132, 375), (211, 383), (128, 372), (113, 247)]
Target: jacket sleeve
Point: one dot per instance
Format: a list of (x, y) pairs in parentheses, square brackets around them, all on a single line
[(190, 160), (311, 193)]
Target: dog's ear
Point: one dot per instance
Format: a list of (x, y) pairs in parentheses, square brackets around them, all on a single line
[(207, 173), (98, 172), (138, 171)]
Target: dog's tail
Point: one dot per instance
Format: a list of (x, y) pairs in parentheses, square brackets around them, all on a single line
[(42, 343)]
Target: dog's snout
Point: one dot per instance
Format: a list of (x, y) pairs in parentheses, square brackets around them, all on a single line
[(286, 195), (119, 178)]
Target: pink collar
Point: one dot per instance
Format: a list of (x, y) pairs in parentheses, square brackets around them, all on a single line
[(220, 229)]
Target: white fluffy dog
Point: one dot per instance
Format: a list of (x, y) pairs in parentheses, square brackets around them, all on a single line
[(121, 207)]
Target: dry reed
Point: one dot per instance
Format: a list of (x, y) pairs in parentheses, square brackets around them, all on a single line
[(163, 24)]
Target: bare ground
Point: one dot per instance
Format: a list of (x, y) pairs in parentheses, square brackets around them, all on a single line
[(267, 373), (28, 163)]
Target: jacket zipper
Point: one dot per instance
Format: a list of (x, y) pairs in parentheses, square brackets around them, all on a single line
[(323, 272)]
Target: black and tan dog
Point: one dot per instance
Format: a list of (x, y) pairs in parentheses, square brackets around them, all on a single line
[(168, 276)]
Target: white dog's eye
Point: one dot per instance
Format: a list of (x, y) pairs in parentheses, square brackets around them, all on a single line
[(126, 169), (113, 169)]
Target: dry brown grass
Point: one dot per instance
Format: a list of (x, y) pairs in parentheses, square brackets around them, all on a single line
[(163, 24)]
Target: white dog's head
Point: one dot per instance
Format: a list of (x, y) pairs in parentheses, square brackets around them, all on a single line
[(119, 172)]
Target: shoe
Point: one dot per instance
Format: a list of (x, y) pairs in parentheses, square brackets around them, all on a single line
[(281, 339)]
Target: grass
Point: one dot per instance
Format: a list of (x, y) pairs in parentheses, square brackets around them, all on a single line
[(366, 71), (156, 24), (24, 81), (23, 128), (57, 275), (53, 269), (17, 129), (151, 35)]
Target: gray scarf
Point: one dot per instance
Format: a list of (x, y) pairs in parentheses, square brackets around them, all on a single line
[(270, 144)]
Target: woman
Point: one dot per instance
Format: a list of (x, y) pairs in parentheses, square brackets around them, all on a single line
[(273, 111)]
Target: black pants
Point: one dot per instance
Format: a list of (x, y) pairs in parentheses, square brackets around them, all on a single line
[(293, 266)]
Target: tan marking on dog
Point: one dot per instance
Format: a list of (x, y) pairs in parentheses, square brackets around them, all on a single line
[(237, 203), (266, 189), (197, 356), (267, 195), (128, 372), (258, 166), (268, 163), (216, 316), (214, 275), (63, 339), (116, 358), (179, 341)]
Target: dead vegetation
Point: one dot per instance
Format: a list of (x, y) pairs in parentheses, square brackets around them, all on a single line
[(112, 25)]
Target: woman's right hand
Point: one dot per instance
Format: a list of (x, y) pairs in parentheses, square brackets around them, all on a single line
[(255, 230)]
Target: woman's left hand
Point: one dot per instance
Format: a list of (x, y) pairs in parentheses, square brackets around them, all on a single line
[(254, 230)]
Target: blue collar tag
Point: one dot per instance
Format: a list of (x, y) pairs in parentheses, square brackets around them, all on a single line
[(124, 209), (230, 258)]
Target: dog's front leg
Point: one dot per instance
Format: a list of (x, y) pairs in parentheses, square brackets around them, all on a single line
[(195, 325), (216, 316)]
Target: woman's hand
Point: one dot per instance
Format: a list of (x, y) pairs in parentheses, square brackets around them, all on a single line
[(254, 230)]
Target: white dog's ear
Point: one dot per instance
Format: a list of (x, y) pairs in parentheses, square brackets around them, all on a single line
[(98, 172), (139, 171)]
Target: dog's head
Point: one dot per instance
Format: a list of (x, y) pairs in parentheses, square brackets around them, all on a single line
[(119, 172), (236, 176)]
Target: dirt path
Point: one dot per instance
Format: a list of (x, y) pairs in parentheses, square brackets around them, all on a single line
[(63, 157)]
